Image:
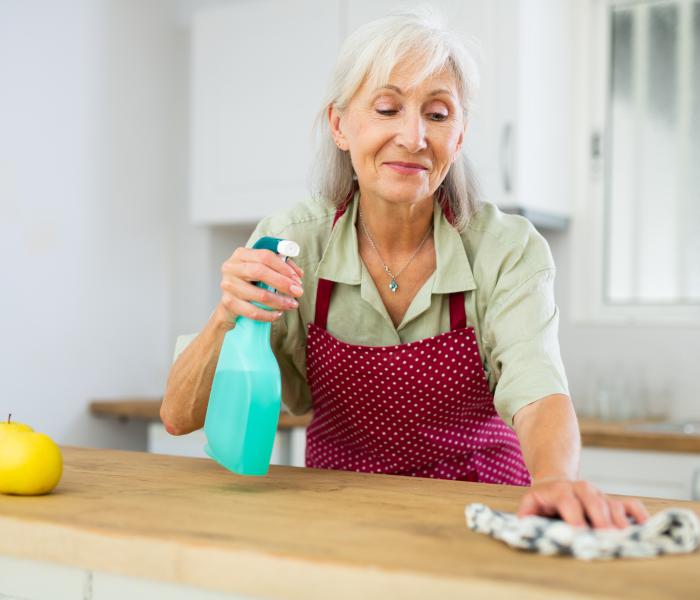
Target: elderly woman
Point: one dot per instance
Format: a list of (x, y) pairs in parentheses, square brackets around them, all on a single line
[(426, 343)]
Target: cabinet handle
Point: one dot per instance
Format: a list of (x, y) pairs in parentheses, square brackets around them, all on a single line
[(506, 157)]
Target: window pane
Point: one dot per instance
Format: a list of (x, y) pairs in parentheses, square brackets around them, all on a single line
[(622, 188), (659, 175), (652, 232), (692, 222)]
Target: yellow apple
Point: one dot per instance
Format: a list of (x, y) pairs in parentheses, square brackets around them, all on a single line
[(30, 463)]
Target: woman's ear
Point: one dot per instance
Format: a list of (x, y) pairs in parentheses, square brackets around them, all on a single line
[(334, 120), (460, 141)]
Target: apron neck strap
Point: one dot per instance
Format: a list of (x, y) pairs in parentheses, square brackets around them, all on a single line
[(324, 290)]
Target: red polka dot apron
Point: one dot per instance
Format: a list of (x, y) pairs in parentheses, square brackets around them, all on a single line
[(422, 408)]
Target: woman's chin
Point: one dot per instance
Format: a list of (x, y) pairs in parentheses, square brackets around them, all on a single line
[(401, 194)]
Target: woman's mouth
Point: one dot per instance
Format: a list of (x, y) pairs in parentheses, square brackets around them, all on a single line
[(405, 168)]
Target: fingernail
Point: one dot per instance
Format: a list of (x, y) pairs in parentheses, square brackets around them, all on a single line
[(278, 314), (295, 289), (292, 302), (296, 278)]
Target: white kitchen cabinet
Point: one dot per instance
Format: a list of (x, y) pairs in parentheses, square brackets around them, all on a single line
[(22, 579), (259, 73), (25, 579), (534, 100), (289, 448), (642, 473)]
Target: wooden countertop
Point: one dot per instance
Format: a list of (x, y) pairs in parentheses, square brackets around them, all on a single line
[(593, 433), (304, 533), (612, 434)]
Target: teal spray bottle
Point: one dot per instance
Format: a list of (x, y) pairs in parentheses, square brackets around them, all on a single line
[(246, 394)]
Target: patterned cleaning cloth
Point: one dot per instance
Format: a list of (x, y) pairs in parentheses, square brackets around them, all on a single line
[(671, 531)]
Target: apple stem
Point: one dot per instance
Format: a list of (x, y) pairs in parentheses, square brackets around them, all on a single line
[(8, 418)]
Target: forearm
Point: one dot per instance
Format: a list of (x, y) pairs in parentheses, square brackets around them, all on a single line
[(189, 382), (549, 438)]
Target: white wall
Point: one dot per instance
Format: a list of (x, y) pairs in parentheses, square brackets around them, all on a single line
[(93, 172), (662, 359)]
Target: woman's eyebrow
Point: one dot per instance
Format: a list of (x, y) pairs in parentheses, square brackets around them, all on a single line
[(398, 90)]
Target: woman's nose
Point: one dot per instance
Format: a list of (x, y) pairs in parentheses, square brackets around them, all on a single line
[(411, 134)]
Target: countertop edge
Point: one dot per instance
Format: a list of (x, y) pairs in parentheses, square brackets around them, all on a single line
[(209, 567)]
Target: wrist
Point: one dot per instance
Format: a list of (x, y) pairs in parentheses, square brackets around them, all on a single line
[(221, 319), (551, 478)]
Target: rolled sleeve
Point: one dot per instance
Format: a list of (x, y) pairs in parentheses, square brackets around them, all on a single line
[(181, 343), (522, 333)]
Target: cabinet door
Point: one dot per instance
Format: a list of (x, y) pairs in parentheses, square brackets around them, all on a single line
[(500, 184), (641, 473), (541, 66), (259, 74)]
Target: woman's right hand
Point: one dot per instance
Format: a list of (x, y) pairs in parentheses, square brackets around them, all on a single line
[(246, 266)]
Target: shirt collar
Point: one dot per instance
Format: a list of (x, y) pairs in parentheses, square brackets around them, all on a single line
[(453, 273), (341, 261)]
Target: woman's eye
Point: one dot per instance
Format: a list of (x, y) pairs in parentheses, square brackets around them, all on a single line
[(433, 116)]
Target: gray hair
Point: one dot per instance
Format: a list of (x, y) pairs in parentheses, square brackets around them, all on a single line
[(371, 53)]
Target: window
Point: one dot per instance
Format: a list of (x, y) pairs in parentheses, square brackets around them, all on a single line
[(651, 157), (636, 222)]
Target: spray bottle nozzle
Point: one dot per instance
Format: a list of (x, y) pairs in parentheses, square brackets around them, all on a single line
[(286, 248)]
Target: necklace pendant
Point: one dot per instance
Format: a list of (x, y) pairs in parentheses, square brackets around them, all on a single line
[(393, 286)]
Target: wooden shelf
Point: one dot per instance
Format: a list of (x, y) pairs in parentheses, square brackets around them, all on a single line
[(148, 409)]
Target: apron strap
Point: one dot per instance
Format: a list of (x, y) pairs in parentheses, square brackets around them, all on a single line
[(323, 301), (458, 314), (325, 286)]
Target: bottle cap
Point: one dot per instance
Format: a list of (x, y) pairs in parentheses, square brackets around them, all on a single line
[(288, 248)]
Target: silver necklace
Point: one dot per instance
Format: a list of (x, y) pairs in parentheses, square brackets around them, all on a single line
[(393, 285)]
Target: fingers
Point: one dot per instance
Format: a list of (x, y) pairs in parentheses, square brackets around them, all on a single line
[(607, 512), (571, 511), (253, 293), (579, 503), (265, 266), (539, 503), (270, 259), (634, 508), (617, 513), (239, 307), (247, 266), (594, 504), (529, 506), (297, 268), (554, 500)]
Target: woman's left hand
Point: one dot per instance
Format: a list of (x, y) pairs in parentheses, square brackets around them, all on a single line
[(580, 504)]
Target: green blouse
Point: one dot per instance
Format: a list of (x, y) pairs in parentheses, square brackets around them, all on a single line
[(502, 263)]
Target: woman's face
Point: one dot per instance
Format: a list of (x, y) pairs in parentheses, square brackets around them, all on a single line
[(402, 141)]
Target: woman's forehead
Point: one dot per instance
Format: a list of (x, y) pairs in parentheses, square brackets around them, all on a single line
[(407, 80)]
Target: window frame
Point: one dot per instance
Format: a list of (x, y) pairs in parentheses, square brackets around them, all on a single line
[(588, 228)]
